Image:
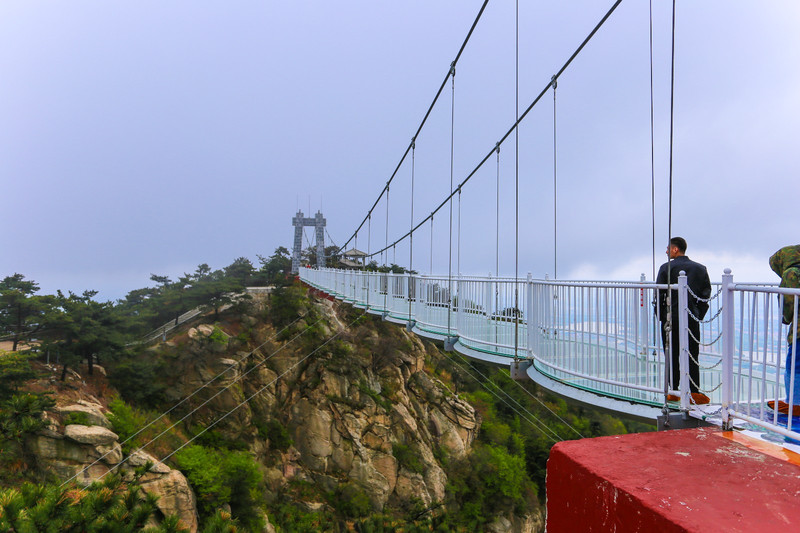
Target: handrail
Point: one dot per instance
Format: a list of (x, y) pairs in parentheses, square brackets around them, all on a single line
[(591, 335)]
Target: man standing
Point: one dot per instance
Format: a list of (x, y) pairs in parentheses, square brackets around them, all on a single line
[(786, 263), (700, 285)]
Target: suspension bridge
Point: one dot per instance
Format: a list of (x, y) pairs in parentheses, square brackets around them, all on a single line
[(593, 342)]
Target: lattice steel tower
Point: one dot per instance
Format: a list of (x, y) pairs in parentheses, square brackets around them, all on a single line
[(299, 222)]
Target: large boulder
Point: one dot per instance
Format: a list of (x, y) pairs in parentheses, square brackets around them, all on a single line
[(174, 496), (94, 435), (93, 413)]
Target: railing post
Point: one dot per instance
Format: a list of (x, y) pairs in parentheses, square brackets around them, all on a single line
[(530, 319), (683, 320), (460, 303), (728, 337), (644, 320)]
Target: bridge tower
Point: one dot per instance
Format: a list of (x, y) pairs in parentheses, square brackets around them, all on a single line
[(299, 222)]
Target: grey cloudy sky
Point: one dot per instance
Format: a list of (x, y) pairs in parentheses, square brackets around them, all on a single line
[(148, 137)]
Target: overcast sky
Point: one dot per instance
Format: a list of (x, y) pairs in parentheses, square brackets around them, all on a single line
[(149, 137)]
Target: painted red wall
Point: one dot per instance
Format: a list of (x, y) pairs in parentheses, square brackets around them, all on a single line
[(697, 480)]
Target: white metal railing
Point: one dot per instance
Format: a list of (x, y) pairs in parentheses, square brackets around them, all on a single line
[(602, 337), (754, 356)]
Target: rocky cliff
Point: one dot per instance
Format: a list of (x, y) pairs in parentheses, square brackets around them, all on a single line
[(323, 396), (351, 391)]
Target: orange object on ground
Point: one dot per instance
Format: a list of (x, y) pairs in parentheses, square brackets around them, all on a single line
[(783, 407)]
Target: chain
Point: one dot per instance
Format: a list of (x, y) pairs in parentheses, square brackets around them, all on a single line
[(697, 362), (712, 343), (712, 413), (705, 321), (703, 299), (703, 390)]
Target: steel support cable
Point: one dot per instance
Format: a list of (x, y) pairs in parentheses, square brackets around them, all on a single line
[(386, 240), (212, 380), (430, 272), (458, 245), (652, 148), (529, 393), (369, 239), (386, 276), (331, 239), (538, 424), (450, 71), (516, 189), (411, 240), (450, 250), (519, 120), (259, 391), (497, 219), (555, 185), (669, 323)]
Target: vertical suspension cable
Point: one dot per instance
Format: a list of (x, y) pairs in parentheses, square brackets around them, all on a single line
[(555, 186), (653, 176), (369, 241), (430, 272), (652, 148), (450, 252), (670, 321), (516, 188), (411, 232), (458, 243), (386, 246), (386, 242), (497, 219), (497, 248)]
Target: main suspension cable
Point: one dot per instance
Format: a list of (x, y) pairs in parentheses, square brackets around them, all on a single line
[(450, 71), (518, 121)]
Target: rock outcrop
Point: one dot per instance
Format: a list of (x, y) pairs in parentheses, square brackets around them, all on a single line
[(361, 410), (86, 453)]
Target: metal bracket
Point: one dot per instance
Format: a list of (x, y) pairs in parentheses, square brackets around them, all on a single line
[(450, 343), (519, 369)]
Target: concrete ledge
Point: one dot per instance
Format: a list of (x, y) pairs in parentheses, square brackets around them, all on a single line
[(693, 480)]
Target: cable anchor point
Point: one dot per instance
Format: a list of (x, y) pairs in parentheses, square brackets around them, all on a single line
[(453, 68), (554, 81)]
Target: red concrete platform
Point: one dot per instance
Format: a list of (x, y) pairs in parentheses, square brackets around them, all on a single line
[(697, 480)]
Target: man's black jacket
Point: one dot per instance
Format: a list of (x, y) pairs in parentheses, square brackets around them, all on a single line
[(698, 282)]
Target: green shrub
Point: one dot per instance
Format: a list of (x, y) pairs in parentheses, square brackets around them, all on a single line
[(77, 418), (351, 501), (126, 421), (407, 457), (139, 382), (276, 433), (218, 337), (15, 368), (376, 397), (135, 430), (221, 477)]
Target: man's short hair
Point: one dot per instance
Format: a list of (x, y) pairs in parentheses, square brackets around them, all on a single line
[(679, 242)]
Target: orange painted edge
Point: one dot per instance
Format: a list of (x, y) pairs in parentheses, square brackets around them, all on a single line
[(767, 448)]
